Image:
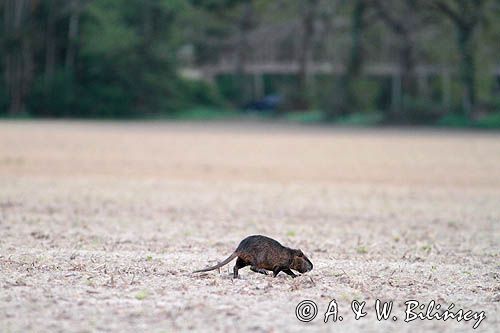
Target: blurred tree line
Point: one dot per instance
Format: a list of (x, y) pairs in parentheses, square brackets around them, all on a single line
[(127, 58), (83, 58)]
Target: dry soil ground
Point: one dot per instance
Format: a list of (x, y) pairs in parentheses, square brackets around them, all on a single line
[(102, 223)]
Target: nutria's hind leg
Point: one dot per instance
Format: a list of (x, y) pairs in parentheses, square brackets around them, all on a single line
[(289, 272), (240, 263), (258, 270)]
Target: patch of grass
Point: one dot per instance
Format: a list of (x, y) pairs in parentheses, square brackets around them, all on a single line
[(489, 121), (89, 281), (426, 248), (142, 295), (149, 258), (291, 233), (362, 249)]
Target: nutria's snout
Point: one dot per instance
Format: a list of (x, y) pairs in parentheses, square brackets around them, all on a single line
[(310, 268)]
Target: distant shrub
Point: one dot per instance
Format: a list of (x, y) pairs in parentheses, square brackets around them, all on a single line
[(454, 120), (491, 120), (197, 92), (365, 92), (105, 94), (419, 111)]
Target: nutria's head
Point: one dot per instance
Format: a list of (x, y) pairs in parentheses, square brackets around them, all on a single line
[(300, 262)]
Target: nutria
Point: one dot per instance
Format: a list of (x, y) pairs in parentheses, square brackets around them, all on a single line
[(264, 254)]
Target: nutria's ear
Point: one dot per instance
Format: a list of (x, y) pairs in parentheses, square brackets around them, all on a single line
[(299, 253)]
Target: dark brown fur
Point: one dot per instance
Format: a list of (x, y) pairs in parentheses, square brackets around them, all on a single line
[(264, 254)]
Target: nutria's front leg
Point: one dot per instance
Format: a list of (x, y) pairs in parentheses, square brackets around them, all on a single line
[(289, 272), (240, 263), (258, 270), (276, 271)]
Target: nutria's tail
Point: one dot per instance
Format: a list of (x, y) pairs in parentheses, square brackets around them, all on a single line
[(231, 257)]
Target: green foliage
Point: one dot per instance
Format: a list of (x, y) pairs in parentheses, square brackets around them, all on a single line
[(201, 93), (107, 32), (125, 65), (489, 121), (454, 120), (366, 91), (309, 117), (130, 74), (420, 111), (229, 87), (204, 113), (362, 119), (54, 96)]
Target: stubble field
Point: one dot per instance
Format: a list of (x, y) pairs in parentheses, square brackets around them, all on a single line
[(101, 225)]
